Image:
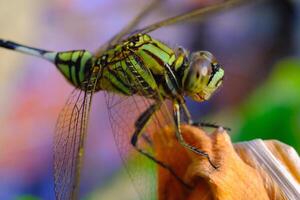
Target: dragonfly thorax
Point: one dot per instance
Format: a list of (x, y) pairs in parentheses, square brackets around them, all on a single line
[(145, 66)]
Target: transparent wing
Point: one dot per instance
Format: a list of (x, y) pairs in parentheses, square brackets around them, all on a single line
[(70, 134), (128, 28), (123, 112), (172, 20), (189, 15)]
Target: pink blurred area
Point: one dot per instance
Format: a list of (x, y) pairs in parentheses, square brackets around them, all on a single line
[(37, 93)]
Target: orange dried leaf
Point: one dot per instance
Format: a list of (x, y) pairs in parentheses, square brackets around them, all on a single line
[(237, 177)]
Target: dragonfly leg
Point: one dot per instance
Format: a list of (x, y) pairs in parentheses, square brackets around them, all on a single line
[(200, 124), (181, 140), (210, 125), (187, 113), (140, 124), (147, 139)]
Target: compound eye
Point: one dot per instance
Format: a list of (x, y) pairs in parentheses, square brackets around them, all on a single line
[(203, 62), (201, 67), (204, 71)]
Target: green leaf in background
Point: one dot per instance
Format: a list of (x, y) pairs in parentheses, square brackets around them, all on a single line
[(27, 197), (273, 111)]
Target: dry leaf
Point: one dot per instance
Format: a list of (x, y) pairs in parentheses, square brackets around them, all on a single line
[(241, 172)]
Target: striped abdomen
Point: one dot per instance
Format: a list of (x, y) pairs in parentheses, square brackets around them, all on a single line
[(74, 65)]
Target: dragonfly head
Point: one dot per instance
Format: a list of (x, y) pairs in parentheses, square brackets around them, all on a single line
[(203, 76)]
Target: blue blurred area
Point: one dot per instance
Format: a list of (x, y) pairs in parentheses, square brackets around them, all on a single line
[(255, 43)]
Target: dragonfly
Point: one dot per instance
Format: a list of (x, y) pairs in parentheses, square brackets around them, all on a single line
[(138, 75)]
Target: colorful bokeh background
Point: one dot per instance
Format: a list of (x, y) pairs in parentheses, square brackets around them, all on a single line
[(258, 44)]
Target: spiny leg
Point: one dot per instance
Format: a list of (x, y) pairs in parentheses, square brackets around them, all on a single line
[(140, 125), (128, 28), (210, 125), (187, 113), (200, 124), (147, 139), (180, 138)]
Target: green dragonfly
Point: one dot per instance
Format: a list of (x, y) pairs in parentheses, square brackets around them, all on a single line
[(136, 72)]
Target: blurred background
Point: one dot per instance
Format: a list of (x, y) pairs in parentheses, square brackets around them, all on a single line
[(258, 44)]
